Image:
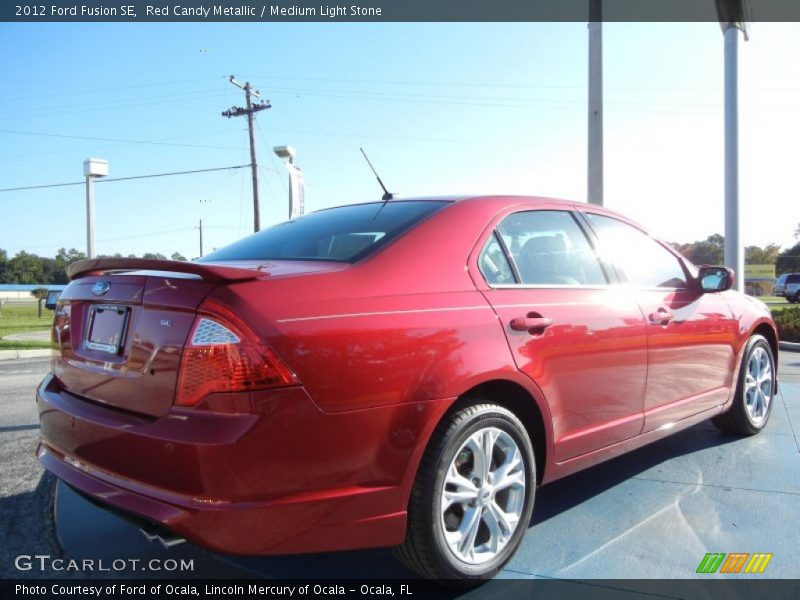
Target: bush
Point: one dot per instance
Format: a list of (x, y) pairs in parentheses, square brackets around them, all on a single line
[(39, 293), (788, 324)]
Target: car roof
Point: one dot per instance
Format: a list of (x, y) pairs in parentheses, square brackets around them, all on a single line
[(475, 198)]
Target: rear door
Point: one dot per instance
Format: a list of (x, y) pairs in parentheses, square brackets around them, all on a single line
[(691, 335), (582, 341)]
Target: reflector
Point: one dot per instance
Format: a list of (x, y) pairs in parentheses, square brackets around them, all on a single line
[(209, 333)]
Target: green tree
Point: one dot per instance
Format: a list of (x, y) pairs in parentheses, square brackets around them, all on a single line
[(25, 268), (64, 258), (710, 251), (69, 256), (3, 265), (788, 261), (178, 256), (754, 255), (157, 255), (53, 272)]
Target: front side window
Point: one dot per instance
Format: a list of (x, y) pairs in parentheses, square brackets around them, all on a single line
[(549, 248), (639, 259), (343, 234)]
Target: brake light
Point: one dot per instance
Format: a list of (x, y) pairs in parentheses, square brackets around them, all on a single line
[(223, 355)]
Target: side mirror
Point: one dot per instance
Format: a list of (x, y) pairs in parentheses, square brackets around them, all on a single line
[(715, 279)]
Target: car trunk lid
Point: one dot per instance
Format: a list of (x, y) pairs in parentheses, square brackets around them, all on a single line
[(121, 325)]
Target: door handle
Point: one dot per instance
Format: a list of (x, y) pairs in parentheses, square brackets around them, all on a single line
[(530, 324), (662, 315)]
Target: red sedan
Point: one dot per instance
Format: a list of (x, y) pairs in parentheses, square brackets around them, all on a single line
[(401, 373)]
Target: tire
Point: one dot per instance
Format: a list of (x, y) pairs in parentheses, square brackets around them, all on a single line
[(752, 406), (795, 299), (451, 464)]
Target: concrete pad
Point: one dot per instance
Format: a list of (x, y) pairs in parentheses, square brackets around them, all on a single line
[(648, 529), (791, 404)]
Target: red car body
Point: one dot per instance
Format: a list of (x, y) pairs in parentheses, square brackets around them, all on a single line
[(375, 353)]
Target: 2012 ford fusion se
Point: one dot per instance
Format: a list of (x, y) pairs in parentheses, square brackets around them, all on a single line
[(401, 373)]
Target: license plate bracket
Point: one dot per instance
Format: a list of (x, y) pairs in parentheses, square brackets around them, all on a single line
[(106, 328)]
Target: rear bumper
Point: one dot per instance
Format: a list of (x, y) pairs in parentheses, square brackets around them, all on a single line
[(288, 478)]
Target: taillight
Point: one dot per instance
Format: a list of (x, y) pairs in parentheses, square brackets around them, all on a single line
[(223, 355)]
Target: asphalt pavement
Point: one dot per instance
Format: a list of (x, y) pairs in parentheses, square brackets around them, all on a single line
[(653, 513), (25, 491)]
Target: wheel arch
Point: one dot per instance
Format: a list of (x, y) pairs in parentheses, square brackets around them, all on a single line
[(527, 405), (518, 400), (768, 331)]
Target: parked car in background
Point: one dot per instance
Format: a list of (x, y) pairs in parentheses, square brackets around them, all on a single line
[(788, 286), (401, 373)]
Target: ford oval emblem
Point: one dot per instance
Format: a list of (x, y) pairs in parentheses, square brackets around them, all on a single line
[(100, 288)]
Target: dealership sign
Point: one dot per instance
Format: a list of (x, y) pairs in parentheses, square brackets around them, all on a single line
[(759, 271)]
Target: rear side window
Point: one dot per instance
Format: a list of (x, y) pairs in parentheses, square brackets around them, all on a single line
[(494, 264), (793, 279), (343, 234), (549, 248), (639, 259)]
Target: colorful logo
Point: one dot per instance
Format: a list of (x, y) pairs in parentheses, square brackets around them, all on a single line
[(736, 562)]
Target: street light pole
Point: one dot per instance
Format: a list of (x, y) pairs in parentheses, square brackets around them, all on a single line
[(92, 167), (90, 216), (296, 186)]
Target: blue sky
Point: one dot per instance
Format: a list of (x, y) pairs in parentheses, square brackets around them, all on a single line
[(440, 108)]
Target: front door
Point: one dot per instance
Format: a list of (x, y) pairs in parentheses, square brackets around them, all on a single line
[(691, 335)]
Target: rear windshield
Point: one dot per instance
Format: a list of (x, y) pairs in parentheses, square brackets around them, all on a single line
[(344, 234)]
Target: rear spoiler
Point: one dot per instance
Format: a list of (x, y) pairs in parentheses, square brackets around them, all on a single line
[(209, 272)]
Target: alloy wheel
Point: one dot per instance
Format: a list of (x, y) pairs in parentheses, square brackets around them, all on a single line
[(758, 385), (483, 496)]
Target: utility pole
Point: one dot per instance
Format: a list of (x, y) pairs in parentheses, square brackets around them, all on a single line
[(734, 253), (595, 150), (250, 111)]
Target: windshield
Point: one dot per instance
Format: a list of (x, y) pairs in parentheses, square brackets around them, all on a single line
[(344, 234)]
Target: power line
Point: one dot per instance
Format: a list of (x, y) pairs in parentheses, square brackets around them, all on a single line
[(96, 91), (53, 185), (120, 140), (473, 84), (111, 105)]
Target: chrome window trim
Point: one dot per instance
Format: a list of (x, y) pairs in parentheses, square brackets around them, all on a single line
[(563, 286), (547, 286)]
